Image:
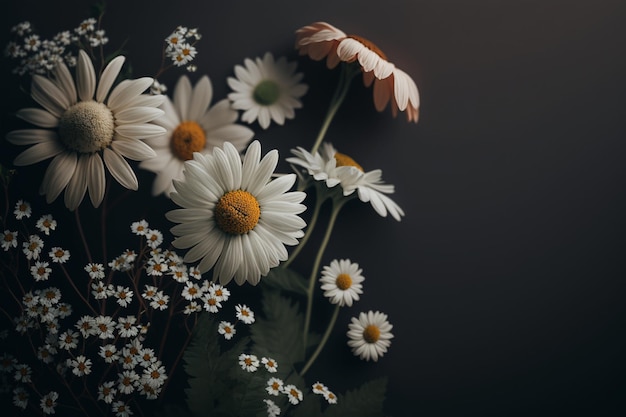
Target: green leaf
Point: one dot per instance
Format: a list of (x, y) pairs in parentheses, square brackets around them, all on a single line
[(366, 401), (285, 279), (278, 334)]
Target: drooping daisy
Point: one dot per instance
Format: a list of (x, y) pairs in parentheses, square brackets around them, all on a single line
[(248, 363), (191, 125), (319, 388), (267, 89), (370, 335), (341, 282), (234, 218), (81, 125), (337, 168), (321, 40)]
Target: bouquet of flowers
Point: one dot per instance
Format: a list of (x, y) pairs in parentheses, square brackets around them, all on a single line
[(209, 315)]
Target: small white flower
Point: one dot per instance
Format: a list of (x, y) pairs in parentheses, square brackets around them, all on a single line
[(121, 409), (109, 353), (126, 326), (154, 374), (46, 223), (154, 238), (219, 291), (156, 266), (40, 271), (68, 340), (48, 402), (227, 329), (270, 364), (139, 228), (59, 255), (330, 397), (22, 209), (126, 381), (81, 365), (249, 363), (20, 397), (272, 409), (244, 314), (160, 301), (211, 304), (106, 392), (293, 394), (123, 295), (86, 325), (8, 239), (370, 335), (149, 292), (23, 373), (33, 247), (319, 388), (341, 282), (105, 325), (274, 386), (96, 271)]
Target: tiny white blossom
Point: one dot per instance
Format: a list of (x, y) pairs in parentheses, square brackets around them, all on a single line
[(46, 223), (227, 329), (139, 228), (8, 239), (22, 209), (293, 394), (96, 271), (270, 364), (49, 402), (249, 363), (59, 255), (244, 314), (274, 386)]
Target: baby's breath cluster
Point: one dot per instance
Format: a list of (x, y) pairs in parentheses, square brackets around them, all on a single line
[(36, 55), (179, 46)]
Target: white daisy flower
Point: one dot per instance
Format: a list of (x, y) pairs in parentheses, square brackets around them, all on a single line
[(8, 240), (274, 386), (272, 409), (192, 307), (81, 125), (109, 353), (22, 209), (160, 301), (156, 266), (59, 255), (244, 314), (191, 291), (80, 366), (154, 238), (226, 329), (106, 392), (68, 340), (319, 388), (234, 219), (20, 397), (22, 373), (126, 381), (101, 291), (123, 295), (211, 304), (96, 271), (49, 402), (121, 409), (270, 364), (46, 223), (126, 326), (293, 394), (219, 291), (33, 247), (341, 282), (40, 271), (249, 363), (105, 325), (49, 296), (149, 292), (139, 228), (330, 397), (370, 335), (154, 374), (266, 90), (191, 125)]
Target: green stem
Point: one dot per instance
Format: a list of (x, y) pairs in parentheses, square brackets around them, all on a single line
[(322, 343), (337, 204), (345, 79), (308, 232)]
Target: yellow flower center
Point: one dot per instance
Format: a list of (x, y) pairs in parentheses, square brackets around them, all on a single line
[(369, 45), (346, 161), (87, 127), (237, 212), (343, 281), (188, 137), (371, 334)]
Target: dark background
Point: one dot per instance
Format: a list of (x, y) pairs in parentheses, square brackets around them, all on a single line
[(505, 281)]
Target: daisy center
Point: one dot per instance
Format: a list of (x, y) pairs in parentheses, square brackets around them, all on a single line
[(266, 92), (237, 212), (343, 281), (345, 161), (369, 45), (188, 137), (371, 334), (87, 127)]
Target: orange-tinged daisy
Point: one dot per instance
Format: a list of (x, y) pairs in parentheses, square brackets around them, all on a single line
[(391, 85)]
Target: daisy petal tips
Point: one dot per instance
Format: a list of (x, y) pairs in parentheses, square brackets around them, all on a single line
[(234, 218)]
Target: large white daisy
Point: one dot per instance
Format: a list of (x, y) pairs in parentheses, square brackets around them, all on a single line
[(191, 125), (233, 217), (370, 335), (83, 125), (267, 90), (336, 168), (391, 85)]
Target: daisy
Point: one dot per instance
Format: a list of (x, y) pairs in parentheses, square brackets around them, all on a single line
[(106, 392), (321, 40), (191, 291), (139, 228), (102, 291), (149, 292), (59, 255), (20, 397), (218, 291), (293, 394), (49, 402), (248, 363), (191, 125), (160, 301), (8, 239), (32, 248), (22, 373), (370, 335), (234, 219), (40, 271), (81, 125), (274, 386), (244, 314), (96, 271), (50, 296), (330, 397), (22, 209), (319, 388), (211, 304), (270, 364), (272, 409), (121, 409), (105, 325), (80, 366), (341, 282), (126, 381), (68, 340), (126, 326), (109, 353), (192, 307), (154, 238), (266, 90), (123, 295), (46, 223), (227, 329), (154, 375)]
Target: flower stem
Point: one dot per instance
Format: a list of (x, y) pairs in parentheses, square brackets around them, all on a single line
[(322, 343), (337, 204), (345, 79), (79, 225)]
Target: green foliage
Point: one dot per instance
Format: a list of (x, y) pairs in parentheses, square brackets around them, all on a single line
[(285, 279), (365, 401)]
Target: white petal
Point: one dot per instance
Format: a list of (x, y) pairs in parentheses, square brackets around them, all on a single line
[(38, 117), (120, 170), (65, 82), (108, 77), (126, 91), (140, 131), (38, 152), (75, 190), (200, 98), (48, 95), (133, 149), (57, 175), (137, 115), (182, 94), (96, 179), (85, 77), (31, 136)]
